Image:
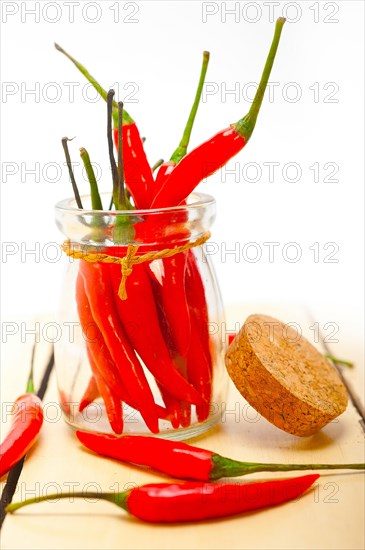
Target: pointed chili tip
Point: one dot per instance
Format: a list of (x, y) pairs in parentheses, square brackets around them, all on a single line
[(58, 47)]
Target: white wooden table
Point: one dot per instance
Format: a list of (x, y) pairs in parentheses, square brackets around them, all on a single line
[(330, 516)]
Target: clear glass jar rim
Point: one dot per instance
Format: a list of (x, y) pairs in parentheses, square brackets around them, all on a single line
[(200, 200)]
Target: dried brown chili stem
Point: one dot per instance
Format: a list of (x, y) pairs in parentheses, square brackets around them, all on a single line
[(70, 171), (121, 202), (110, 97)]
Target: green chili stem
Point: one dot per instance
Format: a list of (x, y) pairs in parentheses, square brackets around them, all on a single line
[(120, 499), (157, 164), (180, 152), (30, 381), (246, 125), (340, 361), (94, 190), (225, 467), (127, 118), (70, 171)]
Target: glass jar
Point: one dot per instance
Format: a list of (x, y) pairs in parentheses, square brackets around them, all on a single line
[(146, 355)]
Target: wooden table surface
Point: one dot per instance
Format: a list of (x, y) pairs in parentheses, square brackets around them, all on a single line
[(329, 516)]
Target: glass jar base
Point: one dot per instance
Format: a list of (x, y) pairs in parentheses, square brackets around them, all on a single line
[(101, 425)]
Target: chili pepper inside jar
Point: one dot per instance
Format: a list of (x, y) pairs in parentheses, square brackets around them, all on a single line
[(141, 349)]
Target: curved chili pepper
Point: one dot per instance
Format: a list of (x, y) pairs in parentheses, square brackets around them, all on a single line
[(206, 159), (185, 461), (140, 321), (174, 301), (138, 174), (197, 302), (99, 291), (90, 394), (199, 371), (193, 501), (164, 172), (25, 426), (113, 405)]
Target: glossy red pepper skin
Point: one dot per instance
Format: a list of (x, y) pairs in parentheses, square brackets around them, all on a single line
[(170, 457), (25, 426), (199, 164), (174, 301), (140, 320), (195, 293), (90, 394), (100, 353), (137, 172), (199, 371), (195, 501), (95, 341), (113, 405), (163, 173), (100, 293)]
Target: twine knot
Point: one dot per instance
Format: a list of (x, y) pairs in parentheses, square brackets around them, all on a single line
[(130, 258)]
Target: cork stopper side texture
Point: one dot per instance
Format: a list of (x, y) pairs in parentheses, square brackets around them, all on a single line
[(284, 377)]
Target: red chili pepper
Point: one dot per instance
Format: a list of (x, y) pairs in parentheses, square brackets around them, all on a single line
[(100, 294), (140, 321), (172, 404), (95, 341), (199, 370), (174, 301), (138, 174), (206, 159), (231, 337), (26, 424), (113, 404), (185, 461), (195, 294), (193, 501), (90, 394), (163, 173)]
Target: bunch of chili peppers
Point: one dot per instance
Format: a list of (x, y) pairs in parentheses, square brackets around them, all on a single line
[(164, 325)]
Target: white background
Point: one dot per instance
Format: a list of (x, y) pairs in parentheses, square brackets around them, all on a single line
[(158, 57)]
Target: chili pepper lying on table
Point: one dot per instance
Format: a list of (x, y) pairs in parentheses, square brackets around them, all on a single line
[(207, 158), (193, 501), (25, 427), (138, 174), (185, 461)]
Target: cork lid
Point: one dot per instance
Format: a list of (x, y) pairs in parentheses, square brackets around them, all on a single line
[(284, 377)]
